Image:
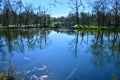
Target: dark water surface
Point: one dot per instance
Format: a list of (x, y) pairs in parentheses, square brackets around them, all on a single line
[(60, 55)]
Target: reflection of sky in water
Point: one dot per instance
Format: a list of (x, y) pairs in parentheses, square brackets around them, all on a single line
[(58, 60)]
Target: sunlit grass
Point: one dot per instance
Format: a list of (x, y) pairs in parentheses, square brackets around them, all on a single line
[(55, 25), (1, 26), (97, 28), (86, 27)]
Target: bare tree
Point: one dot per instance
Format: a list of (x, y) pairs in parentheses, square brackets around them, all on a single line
[(0, 4), (28, 10), (20, 4), (14, 13), (44, 18), (103, 10), (40, 15), (116, 10), (76, 4), (6, 9), (54, 3), (96, 9)]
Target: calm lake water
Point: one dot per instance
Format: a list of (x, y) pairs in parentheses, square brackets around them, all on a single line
[(38, 54)]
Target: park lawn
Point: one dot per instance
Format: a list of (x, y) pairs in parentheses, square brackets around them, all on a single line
[(93, 28), (1, 26), (97, 28)]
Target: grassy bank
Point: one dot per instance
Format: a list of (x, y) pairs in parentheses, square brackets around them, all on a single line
[(1, 26), (97, 28), (91, 28)]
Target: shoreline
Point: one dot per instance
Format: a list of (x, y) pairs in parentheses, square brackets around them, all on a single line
[(88, 28)]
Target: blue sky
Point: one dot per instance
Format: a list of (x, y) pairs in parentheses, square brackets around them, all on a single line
[(60, 10)]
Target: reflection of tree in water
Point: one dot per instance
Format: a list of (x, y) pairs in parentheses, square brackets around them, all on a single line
[(38, 40), (7, 68), (104, 46), (98, 46), (7, 65), (105, 49), (114, 47), (17, 41), (78, 41), (43, 39), (74, 44)]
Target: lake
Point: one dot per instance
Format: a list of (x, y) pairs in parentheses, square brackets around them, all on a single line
[(39, 54)]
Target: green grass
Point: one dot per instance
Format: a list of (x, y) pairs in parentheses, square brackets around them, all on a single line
[(97, 28), (1, 26), (86, 27), (90, 28)]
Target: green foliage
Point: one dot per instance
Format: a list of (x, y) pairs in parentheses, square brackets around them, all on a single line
[(114, 77), (52, 25), (2, 76), (1, 26)]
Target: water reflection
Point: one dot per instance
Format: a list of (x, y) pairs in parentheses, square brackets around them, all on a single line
[(17, 41), (105, 49), (102, 48)]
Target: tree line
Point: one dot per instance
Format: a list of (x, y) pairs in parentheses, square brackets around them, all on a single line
[(14, 13), (103, 13)]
